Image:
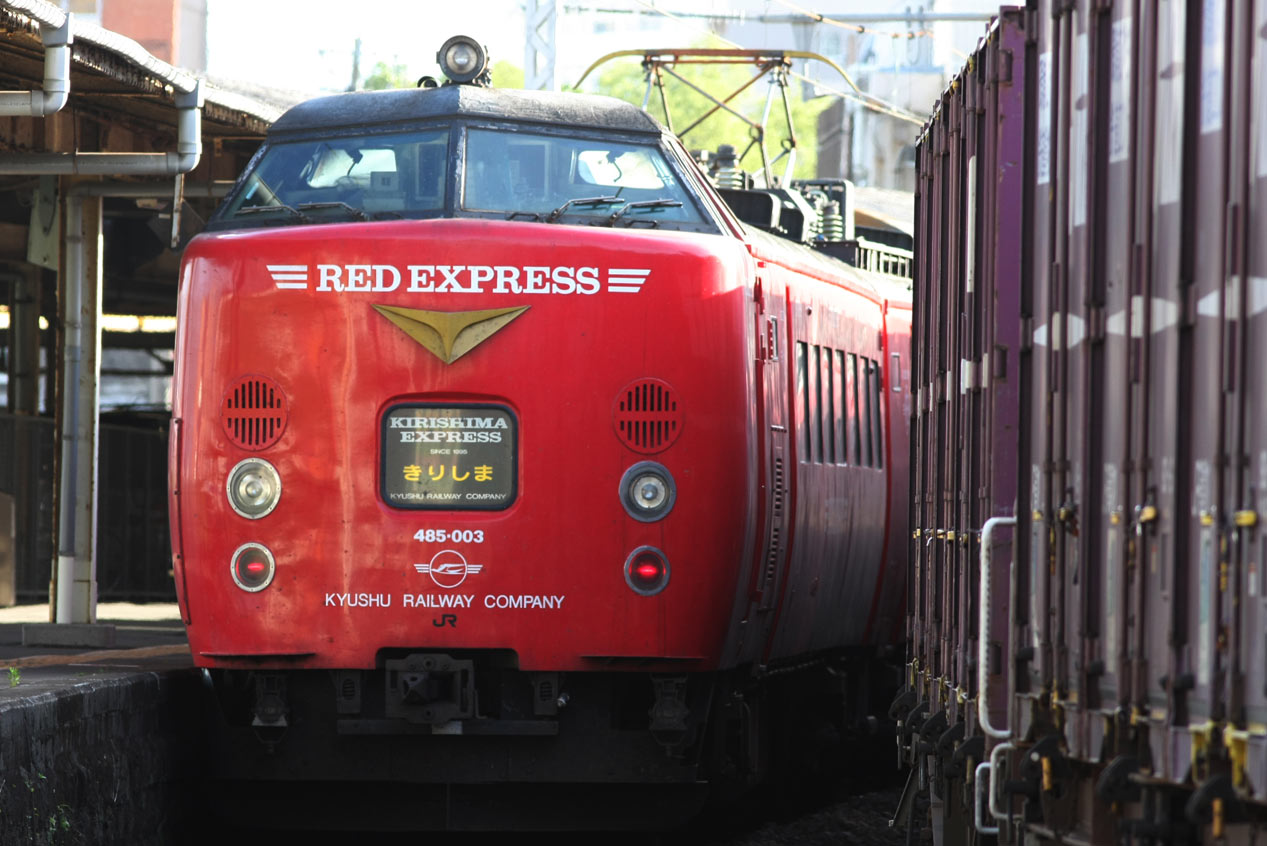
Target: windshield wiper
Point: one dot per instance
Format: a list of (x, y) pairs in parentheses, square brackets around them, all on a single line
[(275, 207), (333, 204), (585, 201), (641, 204)]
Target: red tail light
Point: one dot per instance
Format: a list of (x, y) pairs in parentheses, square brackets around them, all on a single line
[(646, 570), (252, 567)]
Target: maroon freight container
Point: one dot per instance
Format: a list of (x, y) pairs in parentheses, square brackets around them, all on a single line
[(969, 207), (1091, 280)]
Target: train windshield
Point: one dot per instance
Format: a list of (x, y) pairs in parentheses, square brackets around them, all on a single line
[(550, 177), (367, 177)]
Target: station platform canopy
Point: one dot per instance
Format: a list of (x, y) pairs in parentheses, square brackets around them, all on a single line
[(110, 161)]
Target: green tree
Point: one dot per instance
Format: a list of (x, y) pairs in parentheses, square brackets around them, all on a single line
[(627, 81), (386, 76), (507, 75)]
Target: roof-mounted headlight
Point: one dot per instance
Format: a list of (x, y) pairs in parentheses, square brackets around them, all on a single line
[(463, 60)]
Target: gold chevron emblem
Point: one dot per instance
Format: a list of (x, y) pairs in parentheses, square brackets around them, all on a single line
[(449, 335)]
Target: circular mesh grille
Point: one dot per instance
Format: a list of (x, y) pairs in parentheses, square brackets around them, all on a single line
[(647, 415), (254, 412)]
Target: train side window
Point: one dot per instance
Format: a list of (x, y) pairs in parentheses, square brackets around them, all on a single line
[(813, 415), (851, 403), (802, 394), (838, 402), (868, 456), (878, 408), (828, 407)]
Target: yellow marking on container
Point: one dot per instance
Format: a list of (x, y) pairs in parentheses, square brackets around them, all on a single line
[(1246, 519), (1047, 780), (1207, 518), (1199, 736), (1237, 743), (1148, 514)]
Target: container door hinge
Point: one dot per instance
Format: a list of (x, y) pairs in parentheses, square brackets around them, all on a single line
[(1005, 67)]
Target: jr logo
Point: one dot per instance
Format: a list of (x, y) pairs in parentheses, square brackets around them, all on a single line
[(450, 620)]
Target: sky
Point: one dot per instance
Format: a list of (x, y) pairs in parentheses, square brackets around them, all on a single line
[(308, 45)]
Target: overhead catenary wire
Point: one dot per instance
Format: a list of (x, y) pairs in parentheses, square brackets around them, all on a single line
[(856, 22), (818, 17), (866, 99)]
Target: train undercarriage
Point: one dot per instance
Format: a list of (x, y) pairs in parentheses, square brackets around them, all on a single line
[(476, 744)]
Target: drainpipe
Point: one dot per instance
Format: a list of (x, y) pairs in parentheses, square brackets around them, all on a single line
[(75, 593), (188, 152), (56, 91), (75, 582)]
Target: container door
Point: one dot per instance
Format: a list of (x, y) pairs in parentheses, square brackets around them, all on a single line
[(1109, 456), (1161, 514), (1244, 614), (1253, 544), (1038, 366), (997, 287), (1204, 401)]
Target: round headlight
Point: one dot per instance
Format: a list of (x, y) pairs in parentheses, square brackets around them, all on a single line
[(252, 567), (253, 488), (462, 58), (647, 491)]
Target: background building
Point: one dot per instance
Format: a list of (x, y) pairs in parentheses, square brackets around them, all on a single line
[(172, 30)]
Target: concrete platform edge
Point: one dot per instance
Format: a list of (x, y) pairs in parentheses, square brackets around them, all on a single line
[(69, 634), (101, 760)]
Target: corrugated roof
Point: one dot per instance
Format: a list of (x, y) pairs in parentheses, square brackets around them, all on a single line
[(107, 64)]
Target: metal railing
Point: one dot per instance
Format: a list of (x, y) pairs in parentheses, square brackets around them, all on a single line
[(133, 541)]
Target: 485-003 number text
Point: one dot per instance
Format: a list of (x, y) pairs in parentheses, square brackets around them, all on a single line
[(449, 536)]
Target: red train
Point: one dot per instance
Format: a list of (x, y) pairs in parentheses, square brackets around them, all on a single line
[(504, 453)]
